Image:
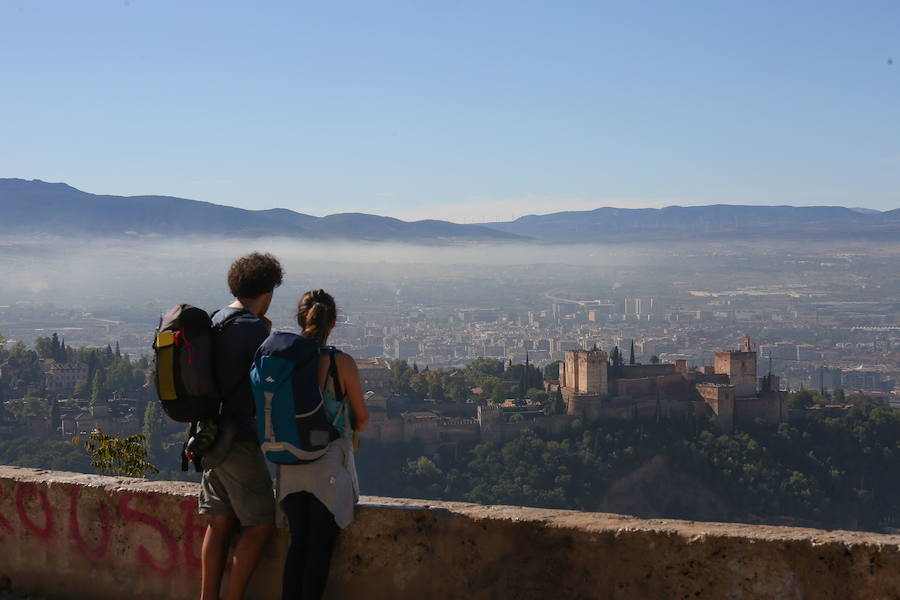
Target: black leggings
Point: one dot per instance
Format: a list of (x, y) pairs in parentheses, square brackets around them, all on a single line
[(313, 534)]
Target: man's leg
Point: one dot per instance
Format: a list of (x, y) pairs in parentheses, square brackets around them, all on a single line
[(213, 555), (249, 489), (249, 548)]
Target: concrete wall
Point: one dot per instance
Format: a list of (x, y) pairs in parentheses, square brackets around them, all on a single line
[(87, 537)]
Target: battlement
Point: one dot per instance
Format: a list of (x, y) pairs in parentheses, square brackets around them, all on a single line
[(70, 535)]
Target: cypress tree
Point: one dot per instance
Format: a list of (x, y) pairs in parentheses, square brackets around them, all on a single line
[(54, 346), (98, 387), (631, 355), (92, 365), (54, 415), (153, 433)]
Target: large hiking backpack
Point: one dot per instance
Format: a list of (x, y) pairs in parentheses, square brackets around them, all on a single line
[(185, 371), (291, 420)]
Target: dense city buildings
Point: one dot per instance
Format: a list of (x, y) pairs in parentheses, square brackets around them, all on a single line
[(669, 329)]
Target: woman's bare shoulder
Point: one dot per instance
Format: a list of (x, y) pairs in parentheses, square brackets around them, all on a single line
[(345, 361)]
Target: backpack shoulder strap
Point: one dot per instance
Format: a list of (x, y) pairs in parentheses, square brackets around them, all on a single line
[(237, 312), (333, 371)]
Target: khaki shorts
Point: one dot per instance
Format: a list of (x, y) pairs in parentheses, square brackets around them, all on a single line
[(240, 487)]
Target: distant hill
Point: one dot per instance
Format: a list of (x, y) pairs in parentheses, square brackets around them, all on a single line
[(709, 222), (38, 207)]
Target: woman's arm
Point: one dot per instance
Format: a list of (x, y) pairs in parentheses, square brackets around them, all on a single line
[(349, 376)]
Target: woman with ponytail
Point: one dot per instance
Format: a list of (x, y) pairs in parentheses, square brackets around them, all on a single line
[(318, 497)]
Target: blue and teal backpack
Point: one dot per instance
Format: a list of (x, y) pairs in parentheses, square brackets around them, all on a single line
[(292, 423)]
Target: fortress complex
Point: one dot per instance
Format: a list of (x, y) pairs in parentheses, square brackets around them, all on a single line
[(595, 386)]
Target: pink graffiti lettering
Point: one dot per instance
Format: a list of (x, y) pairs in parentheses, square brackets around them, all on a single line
[(130, 515), (5, 525), (192, 531), (25, 491), (99, 552)]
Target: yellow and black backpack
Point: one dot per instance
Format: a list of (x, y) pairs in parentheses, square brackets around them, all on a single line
[(185, 369)]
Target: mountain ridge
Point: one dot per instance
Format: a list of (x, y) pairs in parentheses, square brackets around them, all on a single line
[(38, 207), (714, 221)]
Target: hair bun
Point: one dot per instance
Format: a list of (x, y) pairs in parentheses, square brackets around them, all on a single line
[(316, 314)]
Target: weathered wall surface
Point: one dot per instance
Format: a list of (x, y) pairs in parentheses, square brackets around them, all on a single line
[(89, 537)]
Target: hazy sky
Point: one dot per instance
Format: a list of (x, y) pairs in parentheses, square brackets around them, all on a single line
[(462, 110)]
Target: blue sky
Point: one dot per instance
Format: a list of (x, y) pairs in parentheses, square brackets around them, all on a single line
[(470, 111)]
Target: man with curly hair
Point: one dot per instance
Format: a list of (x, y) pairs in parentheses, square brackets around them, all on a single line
[(236, 490)]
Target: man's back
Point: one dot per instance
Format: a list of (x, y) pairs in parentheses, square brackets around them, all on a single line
[(235, 347)]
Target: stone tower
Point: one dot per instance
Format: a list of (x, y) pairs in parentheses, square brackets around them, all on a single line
[(740, 366), (585, 372)]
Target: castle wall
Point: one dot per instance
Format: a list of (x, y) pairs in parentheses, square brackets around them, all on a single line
[(634, 387), (721, 399), (642, 371), (466, 431), (771, 408)]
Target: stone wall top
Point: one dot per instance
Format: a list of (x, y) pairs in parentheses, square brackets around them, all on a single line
[(87, 536)]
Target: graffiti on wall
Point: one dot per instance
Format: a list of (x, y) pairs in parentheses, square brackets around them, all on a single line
[(164, 549)]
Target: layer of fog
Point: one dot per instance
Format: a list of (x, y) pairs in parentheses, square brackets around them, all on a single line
[(138, 279)]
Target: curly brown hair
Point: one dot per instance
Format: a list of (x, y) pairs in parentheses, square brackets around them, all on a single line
[(253, 275), (316, 314)]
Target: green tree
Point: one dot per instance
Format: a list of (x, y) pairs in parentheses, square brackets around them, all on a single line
[(538, 395), (555, 404), (54, 414), (551, 371), (483, 366), (801, 399), (82, 390), (153, 432), (44, 347), (436, 391), (92, 362), (25, 367), (118, 456), (123, 377), (401, 373), (99, 390), (423, 474), (458, 391)]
